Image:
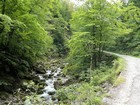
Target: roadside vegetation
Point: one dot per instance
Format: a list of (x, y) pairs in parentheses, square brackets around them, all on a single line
[(90, 89)]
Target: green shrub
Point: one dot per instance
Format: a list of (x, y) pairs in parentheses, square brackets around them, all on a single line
[(81, 93), (91, 93), (34, 100)]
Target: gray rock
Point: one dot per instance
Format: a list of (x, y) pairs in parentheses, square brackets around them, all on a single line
[(51, 92)]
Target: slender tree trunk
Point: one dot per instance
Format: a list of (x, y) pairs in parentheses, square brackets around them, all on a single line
[(94, 48), (95, 59), (99, 53), (100, 45), (3, 6), (91, 66), (102, 51)]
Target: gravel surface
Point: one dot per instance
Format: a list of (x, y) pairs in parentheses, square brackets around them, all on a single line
[(128, 93)]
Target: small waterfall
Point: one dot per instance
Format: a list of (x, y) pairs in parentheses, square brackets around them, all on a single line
[(49, 89)]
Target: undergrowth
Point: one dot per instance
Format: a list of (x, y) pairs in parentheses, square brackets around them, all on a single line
[(92, 93)]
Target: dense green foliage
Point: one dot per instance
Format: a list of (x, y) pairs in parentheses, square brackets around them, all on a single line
[(95, 26), (130, 41), (29, 29), (85, 93), (59, 26), (136, 2), (34, 29)]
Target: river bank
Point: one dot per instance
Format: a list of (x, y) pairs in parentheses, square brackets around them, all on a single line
[(42, 85)]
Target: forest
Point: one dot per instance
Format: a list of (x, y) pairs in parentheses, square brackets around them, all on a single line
[(53, 52)]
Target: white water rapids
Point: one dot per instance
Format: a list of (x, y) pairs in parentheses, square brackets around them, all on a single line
[(52, 77)]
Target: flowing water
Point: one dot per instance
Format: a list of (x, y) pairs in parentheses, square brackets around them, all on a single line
[(52, 77)]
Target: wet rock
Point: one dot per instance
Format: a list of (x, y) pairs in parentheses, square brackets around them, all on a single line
[(51, 92), (50, 75), (54, 97), (58, 74), (57, 84), (40, 71), (64, 81)]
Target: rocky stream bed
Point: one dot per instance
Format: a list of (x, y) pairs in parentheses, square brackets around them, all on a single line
[(53, 78), (44, 82)]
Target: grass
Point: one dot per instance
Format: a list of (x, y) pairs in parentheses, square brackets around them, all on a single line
[(119, 65), (119, 81), (92, 93)]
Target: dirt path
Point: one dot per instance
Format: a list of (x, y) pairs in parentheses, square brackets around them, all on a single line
[(127, 93)]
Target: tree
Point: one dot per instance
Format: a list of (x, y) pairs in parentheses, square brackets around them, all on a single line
[(58, 25), (130, 16), (136, 2), (23, 38), (95, 25)]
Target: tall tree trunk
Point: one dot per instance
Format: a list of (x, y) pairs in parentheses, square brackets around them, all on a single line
[(99, 57), (95, 59), (94, 48), (100, 46), (91, 66), (3, 6)]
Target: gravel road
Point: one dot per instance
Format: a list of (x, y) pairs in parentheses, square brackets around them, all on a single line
[(128, 93)]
